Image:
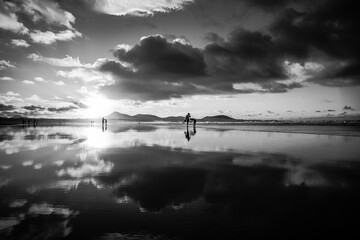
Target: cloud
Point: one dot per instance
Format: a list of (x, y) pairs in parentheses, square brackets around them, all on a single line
[(18, 203), (4, 107), (68, 61), (35, 98), (28, 82), (251, 56), (47, 209), (346, 107), (19, 43), (62, 109), (5, 64), (154, 55), (48, 11), (136, 7), (28, 163), (9, 20), (6, 78), (89, 168), (49, 37), (80, 104), (59, 83), (12, 94), (268, 5), (34, 108), (330, 27), (39, 79), (158, 69), (87, 75), (154, 64)]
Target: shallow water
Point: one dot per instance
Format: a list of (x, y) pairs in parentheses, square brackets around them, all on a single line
[(162, 182)]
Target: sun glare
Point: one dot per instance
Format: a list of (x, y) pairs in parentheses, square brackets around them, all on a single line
[(98, 107)]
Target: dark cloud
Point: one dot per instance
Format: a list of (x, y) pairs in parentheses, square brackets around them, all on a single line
[(250, 56), (331, 110), (214, 38), (324, 33), (160, 69), (268, 5), (33, 108), (328, 28), (4, 107), (346, 107), (154, 56), (61, 109)]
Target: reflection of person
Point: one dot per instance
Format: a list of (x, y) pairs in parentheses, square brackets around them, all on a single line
[(191, 133), (194, 130), (187, 134)]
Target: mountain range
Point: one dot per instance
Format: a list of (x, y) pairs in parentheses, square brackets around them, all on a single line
[(153, 118)]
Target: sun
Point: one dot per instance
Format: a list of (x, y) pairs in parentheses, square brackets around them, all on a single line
[(98, 107)]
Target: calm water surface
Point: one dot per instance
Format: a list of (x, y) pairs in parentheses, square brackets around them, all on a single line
[(162, 182)]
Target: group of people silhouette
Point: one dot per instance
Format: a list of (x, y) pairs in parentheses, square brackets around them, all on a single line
[(188, 119)]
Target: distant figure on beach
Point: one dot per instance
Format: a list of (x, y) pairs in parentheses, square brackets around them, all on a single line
[(194, 121), (104, 124), (187, 119)]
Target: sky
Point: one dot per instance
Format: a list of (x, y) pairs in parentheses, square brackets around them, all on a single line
[(248, 59)]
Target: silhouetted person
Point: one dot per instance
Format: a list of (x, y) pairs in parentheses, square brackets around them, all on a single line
[(28, 122), (34, 123), (193, 120), (187, 119), (102, 121)]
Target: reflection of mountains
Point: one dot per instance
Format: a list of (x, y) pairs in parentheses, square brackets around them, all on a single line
[(137, 128)]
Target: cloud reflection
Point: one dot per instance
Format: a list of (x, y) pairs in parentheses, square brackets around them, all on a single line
[(89, 168)]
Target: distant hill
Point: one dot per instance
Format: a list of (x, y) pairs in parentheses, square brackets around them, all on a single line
[(146, 117), (218, 118), (119, 116), (152, 118), (174, 119), (137, 117)]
